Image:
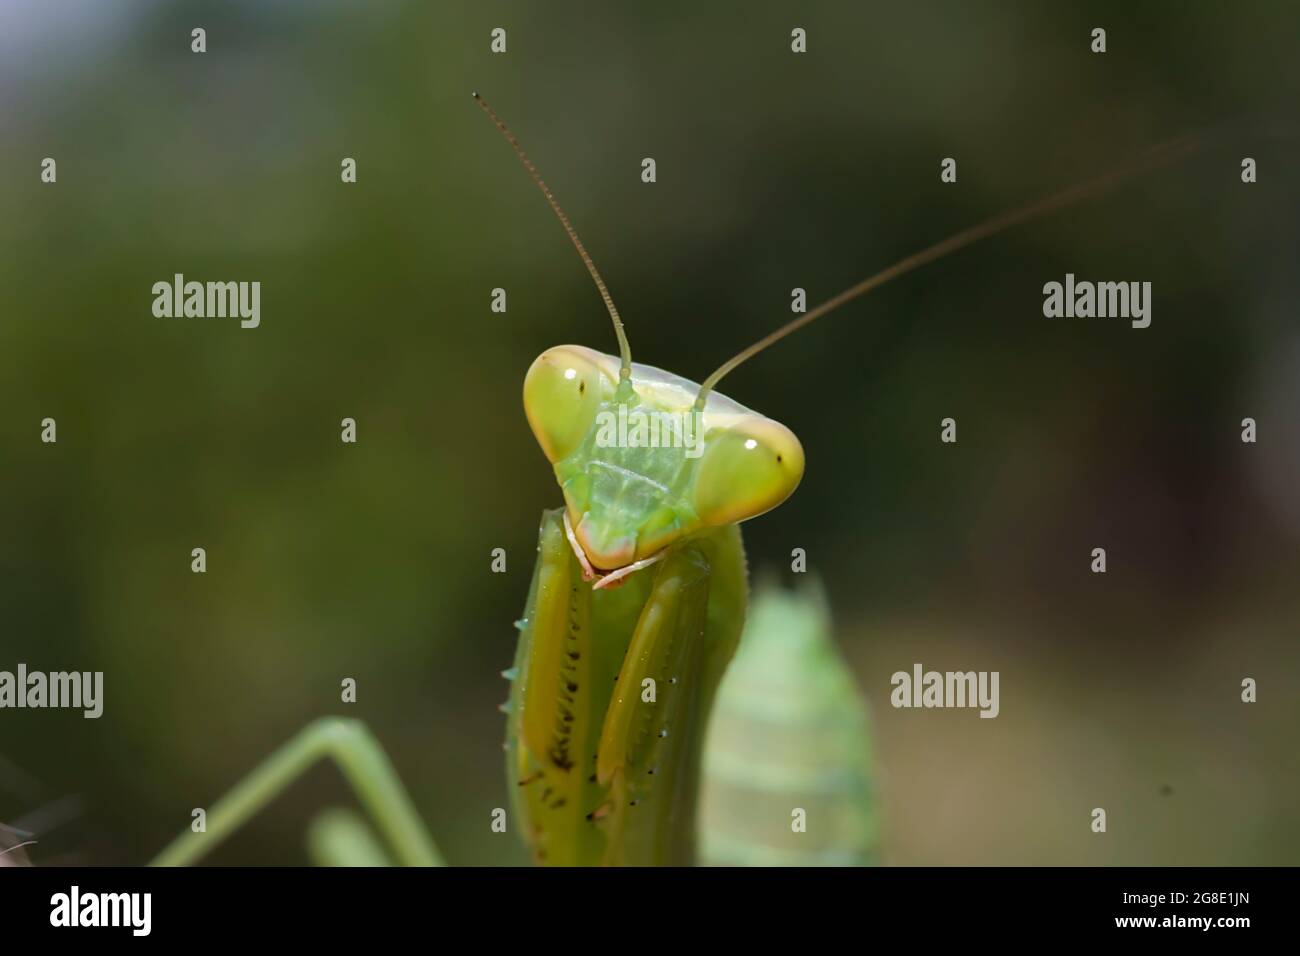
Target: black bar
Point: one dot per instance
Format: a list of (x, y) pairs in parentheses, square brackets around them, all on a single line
[(672, 906)]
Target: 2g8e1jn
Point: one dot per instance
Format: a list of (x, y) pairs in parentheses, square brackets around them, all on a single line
[(1219, 898)]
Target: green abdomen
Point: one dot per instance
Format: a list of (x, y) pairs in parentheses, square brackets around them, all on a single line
[(787, 765)]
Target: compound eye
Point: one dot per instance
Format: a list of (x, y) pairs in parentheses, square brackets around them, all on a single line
[(746, 470), (561, 397)]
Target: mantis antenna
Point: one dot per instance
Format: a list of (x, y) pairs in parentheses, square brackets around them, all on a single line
[(624, 350), (1152, 158)]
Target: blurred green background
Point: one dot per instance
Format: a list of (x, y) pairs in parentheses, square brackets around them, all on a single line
[(372, 560)]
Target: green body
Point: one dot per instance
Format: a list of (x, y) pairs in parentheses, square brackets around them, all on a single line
[(603, 774), (583, 656), (612, 686), (789, 731)]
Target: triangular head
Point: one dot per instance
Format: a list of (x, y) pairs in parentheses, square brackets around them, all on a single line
[(640, 464)]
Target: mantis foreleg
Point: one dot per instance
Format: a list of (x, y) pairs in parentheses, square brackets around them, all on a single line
[(603, 764), (648, 772), (362, 761)]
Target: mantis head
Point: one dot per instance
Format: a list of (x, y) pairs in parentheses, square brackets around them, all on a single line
[(645, 460), (629, 492)]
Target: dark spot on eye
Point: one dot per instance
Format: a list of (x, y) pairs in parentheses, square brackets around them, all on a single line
[(778, 457), (582, 387)]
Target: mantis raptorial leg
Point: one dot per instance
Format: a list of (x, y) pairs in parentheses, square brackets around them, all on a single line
[(648, 772), (609, 689), (362, 761)]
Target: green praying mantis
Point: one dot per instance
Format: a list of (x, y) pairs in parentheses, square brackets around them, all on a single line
[(635, 609)]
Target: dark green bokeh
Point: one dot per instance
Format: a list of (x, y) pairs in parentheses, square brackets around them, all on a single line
[(774, 171)]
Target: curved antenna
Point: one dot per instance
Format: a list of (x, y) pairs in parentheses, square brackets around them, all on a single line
[(1156, 156), (624, 350)]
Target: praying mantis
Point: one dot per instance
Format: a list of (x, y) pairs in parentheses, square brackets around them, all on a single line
[(635, 609)]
